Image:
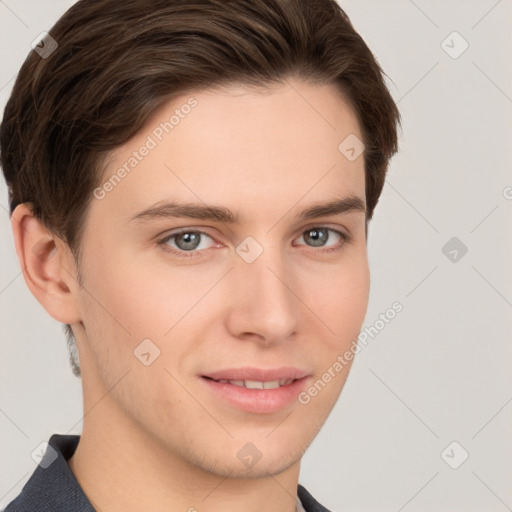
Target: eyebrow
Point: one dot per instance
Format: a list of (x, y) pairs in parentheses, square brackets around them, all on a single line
[(174, 209)]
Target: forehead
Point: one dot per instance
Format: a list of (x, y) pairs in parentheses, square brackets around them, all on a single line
[(239, 147)]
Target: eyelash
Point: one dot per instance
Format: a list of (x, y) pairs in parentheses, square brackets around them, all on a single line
[(345, 239)]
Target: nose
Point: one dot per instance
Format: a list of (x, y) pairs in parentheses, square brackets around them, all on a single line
[(263, 303)]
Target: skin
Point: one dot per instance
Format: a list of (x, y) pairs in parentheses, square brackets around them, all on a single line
[(154, 437)]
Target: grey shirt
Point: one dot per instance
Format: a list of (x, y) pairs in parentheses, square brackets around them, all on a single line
[(53, 487)]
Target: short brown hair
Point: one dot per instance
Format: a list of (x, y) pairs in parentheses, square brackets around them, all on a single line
[(117, 62)]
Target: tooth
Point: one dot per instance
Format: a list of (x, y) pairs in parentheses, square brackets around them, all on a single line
[(253, 384), (237, 383), (282, 382), (271, 384)]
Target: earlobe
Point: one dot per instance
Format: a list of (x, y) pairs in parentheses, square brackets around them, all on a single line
[(47, 269)]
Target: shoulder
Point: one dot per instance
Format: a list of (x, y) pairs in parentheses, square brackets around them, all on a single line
[(52, 487), (308, 502)]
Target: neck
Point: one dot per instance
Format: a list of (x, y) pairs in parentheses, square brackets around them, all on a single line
[(120, 467)]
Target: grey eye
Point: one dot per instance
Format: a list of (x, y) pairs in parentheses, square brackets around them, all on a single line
[(188, 240), (316, 236)]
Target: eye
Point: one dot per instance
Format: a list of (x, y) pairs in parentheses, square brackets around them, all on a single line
[(319, 236), (189, 243), (185, 241)]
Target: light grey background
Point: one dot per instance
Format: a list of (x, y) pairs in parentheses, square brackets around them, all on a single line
[(440, 371)]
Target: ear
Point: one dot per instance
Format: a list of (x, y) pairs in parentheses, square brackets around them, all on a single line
[(47, 264)]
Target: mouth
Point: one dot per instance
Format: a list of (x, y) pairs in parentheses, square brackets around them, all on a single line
[(256, 384), (256, 390)]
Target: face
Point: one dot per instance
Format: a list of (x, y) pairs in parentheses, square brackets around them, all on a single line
[(207, 273)]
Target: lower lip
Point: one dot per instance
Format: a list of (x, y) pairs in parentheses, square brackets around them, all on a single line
[(257, 400)]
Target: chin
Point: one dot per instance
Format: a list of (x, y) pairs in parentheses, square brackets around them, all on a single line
[(246, 459), (266, 466)]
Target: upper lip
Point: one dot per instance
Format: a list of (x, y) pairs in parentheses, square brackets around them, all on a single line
[(258, 374)]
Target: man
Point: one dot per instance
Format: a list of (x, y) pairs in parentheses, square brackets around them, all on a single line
[(191, 184)]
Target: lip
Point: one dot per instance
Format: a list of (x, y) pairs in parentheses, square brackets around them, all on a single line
[(256, 400), (261, 374)]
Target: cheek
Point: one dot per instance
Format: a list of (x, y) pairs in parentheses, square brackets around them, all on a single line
[(341, 304), (146, 299), (340, 298)]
